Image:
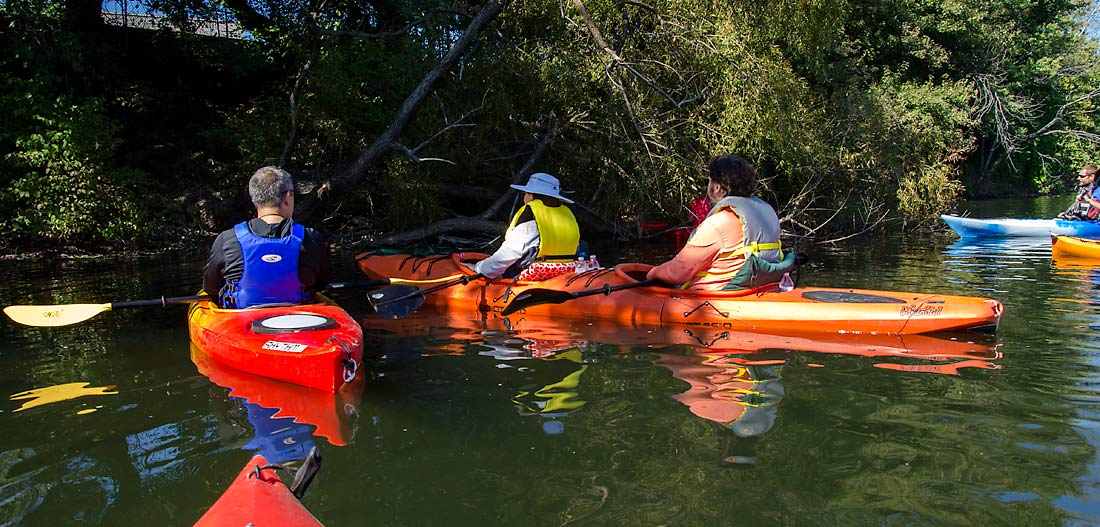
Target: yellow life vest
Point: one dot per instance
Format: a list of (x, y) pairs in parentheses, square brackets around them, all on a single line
[(558, 230)]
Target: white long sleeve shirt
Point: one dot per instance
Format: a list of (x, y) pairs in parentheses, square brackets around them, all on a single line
[(521, 240)]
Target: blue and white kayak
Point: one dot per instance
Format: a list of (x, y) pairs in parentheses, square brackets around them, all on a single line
[(969, 227)]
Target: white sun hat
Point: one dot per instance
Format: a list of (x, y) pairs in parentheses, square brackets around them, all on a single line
[(543, 184)]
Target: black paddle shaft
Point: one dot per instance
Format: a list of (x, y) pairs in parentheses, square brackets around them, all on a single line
[(534, 297), (162, 301)]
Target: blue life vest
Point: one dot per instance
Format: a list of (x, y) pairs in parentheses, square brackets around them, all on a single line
[(270, 270)]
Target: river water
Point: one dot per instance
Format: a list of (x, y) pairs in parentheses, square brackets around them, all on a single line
[(467, 421)]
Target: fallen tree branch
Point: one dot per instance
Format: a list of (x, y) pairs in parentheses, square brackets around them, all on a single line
[(385, 142), (467, 224)]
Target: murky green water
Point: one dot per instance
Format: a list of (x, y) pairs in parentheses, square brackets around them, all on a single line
[(471, 422)]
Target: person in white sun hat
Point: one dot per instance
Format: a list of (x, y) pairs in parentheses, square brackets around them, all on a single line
[(541, 241)]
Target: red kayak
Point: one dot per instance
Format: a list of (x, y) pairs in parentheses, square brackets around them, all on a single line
[(316, 345), (257, 498)]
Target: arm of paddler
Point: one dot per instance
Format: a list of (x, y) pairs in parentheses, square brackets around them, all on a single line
[(696, 256), (517, 242), (213, 274)]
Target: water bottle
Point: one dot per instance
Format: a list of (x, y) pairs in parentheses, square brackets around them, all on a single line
[(786, 284), (593, 263), (582, 266)]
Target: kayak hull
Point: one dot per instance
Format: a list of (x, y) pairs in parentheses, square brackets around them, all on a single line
[(315, 345), (1073, 246), (1022, 227), (805, 309), (258, 500)]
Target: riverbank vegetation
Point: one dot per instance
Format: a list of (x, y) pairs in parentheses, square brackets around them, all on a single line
[(407, 121)]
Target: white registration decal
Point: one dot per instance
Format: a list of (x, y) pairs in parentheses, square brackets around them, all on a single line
[(275, 345)]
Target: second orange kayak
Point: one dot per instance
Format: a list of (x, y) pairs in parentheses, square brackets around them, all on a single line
[(1074, 247), (807, 309)]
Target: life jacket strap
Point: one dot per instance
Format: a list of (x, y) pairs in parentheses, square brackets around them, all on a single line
[(753, 248)]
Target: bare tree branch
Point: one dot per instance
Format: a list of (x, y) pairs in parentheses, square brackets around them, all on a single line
[(303, 75), (536, 155), (412, 103)]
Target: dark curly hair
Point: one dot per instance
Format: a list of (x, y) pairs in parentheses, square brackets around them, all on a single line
[(736, 175)]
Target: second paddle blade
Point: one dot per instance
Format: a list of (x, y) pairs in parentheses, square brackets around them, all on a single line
[(396, 301), (534, 297)]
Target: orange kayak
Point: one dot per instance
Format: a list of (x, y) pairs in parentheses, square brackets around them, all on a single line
[(316, 345), (804, 309), (258, 498)]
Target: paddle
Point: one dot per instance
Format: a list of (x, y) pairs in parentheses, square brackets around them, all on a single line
[(400, 300), (66, 314), (534, 297)]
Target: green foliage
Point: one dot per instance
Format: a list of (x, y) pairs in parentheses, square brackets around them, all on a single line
[(848, 108), (62, 185), (409, 201), (61, 182)]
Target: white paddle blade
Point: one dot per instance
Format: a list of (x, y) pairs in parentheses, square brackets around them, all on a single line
[(50, 316)]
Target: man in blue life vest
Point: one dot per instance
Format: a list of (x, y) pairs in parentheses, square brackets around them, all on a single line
[(268, 259), (543, 231), (1087, 205)]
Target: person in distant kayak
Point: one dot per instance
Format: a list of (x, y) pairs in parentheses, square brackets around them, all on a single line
[(699, 207), (1087, 205), (542, 239), (269, 259), (737, 245)]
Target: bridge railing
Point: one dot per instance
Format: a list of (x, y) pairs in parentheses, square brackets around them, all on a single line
[(137, 14)]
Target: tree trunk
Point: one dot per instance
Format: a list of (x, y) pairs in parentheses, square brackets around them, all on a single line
[(351, 177), (84, 15)]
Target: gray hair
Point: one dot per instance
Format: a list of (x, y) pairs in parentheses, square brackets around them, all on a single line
[(267, 186)]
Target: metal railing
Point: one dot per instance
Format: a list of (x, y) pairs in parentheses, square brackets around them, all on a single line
[(136, 14)]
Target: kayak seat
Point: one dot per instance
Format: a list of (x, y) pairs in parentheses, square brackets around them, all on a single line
[(843, 297), (293, 323)]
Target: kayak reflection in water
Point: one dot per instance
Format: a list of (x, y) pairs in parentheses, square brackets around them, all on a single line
[(278, 439), (739, 392)]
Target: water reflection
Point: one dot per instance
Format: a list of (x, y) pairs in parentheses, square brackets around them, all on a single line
[(61, 392), (993, 249), (994, 266), (738, 392), (285, 416), (733, 378), (552, 402)]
